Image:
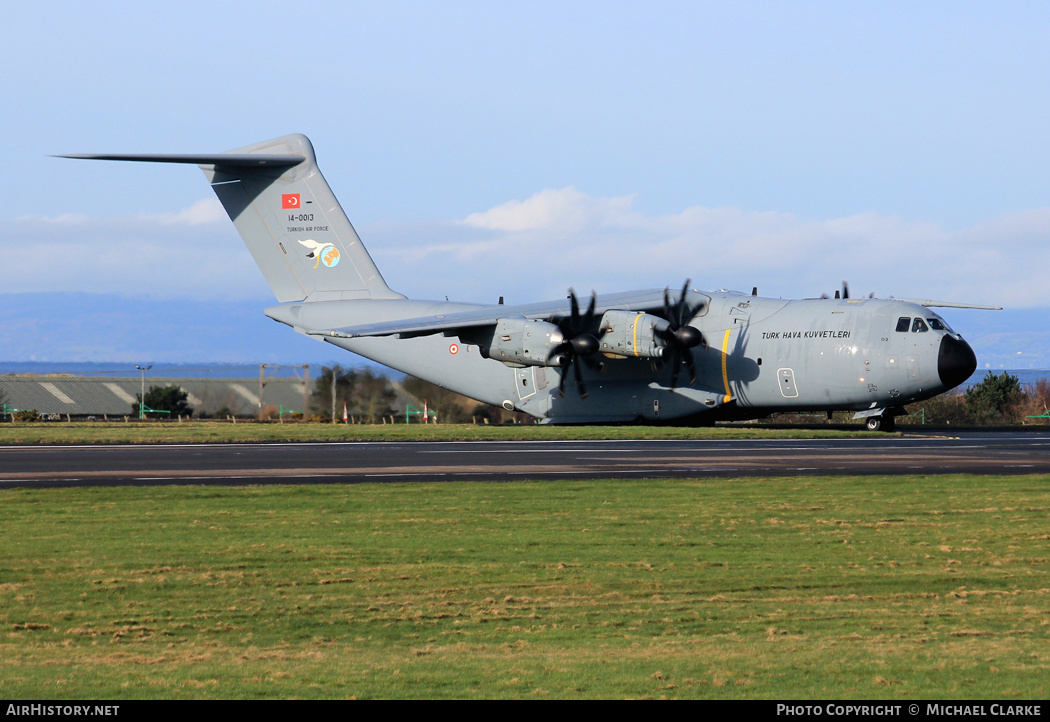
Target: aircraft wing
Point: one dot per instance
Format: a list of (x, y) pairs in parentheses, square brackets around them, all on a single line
[(929, 303), (650, 300)]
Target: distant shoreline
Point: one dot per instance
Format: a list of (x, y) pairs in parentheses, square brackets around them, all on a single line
[(217, 370), (220, 370)]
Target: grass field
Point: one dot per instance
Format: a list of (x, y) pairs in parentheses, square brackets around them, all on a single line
[(205, 431), (875, 587)]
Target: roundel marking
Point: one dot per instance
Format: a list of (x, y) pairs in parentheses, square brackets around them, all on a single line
[(330, 257), (453, 349)]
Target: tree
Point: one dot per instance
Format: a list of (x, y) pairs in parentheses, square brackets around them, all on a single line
[(987, 401), (169, 400), (371, 396), (321, 399), (455, 408), (365, 394), (451, 408)]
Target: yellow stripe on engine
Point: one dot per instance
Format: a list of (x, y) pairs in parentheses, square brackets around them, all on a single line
[(634, 330), (725, 375)]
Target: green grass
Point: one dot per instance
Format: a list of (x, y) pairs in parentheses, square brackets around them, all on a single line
[(874, 587), (205, 431)]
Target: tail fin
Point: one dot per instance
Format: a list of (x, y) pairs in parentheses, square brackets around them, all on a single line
[(289, 219)]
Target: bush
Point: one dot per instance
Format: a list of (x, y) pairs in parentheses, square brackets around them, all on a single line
[(948, 408), (989, 401), (1035, 401), (164, 400), (268, 413)]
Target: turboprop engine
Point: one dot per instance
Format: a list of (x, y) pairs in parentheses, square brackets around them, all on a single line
[(524, 342), (643, 335)]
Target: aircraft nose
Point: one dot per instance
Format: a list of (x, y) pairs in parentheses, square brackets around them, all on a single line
[(955, 361)]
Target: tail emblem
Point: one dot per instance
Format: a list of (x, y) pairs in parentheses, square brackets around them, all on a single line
[(325, 253)]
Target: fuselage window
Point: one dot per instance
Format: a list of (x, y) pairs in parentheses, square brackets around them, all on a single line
[(938, 325), (902, 324), (919, 326)]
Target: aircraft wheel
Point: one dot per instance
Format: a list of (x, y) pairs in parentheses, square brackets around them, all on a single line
[(880, 423)]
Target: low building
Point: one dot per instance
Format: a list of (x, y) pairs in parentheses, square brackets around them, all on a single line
[(59, 396)]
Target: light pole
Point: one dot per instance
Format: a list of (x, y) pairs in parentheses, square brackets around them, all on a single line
[(142, 396)]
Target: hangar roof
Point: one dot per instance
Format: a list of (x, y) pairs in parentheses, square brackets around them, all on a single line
[(86, 396)]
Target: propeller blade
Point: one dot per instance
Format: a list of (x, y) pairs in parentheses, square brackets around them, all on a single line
[(579, 342), (682, 305), (676, 365), (692, 368), (678, 336)]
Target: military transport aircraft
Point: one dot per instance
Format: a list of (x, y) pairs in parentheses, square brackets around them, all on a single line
[(651, 356)]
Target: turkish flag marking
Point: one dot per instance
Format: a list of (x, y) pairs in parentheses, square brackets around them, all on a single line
[(289, 200)]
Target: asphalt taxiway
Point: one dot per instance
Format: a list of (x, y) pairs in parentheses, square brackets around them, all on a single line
[(970, 452)]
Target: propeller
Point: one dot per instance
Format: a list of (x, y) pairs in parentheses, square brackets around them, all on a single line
[(578, 343), (678, 336), (844, 294)]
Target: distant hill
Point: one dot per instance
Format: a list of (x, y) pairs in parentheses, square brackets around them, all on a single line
[(109, 329)]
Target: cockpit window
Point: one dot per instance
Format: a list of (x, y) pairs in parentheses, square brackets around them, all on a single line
[(919, 326), (902, 324), (939, 324)]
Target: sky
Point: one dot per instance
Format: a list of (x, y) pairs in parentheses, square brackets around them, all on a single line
[(521, 148)]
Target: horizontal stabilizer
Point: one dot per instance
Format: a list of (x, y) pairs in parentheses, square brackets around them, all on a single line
[(231, 160)]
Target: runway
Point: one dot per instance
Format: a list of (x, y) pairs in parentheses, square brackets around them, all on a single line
[(971, 452)]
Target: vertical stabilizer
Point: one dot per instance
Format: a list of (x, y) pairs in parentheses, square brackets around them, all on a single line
[(288, 217), (293, 225)]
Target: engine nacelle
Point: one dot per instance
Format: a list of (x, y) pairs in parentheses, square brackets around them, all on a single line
[(632, 334), (525, 342)]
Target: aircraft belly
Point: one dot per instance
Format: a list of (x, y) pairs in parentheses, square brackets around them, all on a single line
[(449, 363)]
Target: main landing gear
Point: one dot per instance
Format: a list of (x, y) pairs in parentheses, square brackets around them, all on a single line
[(880, 423)]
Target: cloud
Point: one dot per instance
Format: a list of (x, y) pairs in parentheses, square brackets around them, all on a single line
[(203, 212), (193, 253), (560, 211), (536, 248)]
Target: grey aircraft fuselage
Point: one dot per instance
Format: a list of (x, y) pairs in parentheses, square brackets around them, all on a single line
[(655, 356), (763, 355)]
